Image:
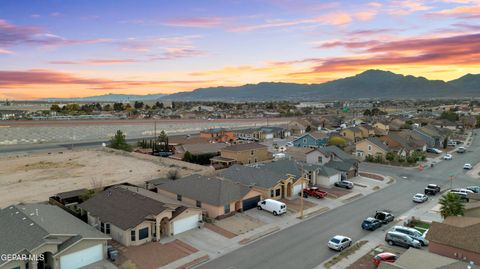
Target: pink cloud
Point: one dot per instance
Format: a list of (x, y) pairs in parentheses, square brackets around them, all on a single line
[(464, 12), (406, 7), (4, 51), (196, 22)]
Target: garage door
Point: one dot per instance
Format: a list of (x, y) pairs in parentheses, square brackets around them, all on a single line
[(297, 189), (182, 225), (82, 258), (250, 203)]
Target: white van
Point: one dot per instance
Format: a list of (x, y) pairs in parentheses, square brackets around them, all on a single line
[(274, 206)]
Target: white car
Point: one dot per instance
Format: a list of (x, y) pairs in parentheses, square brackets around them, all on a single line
[(420, 198), (339, 242), (467, 166), (447, 157)]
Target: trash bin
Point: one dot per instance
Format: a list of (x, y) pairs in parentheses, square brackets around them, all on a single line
[(432, 165), (112, 255)]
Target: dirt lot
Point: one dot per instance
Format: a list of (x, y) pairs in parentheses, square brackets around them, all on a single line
[(34, 178), (239, 223)]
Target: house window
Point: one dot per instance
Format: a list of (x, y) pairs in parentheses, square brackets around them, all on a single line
[(199, 204), (143, 233), (320, 160), (105, 228), (226, 208), (369, 148), (272, 193), (277, 192), (132, 235), (179, 197), (252, 152), (255, 160), (304, 141)]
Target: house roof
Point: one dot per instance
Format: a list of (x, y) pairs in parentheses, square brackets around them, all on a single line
[(419, 259), (186, 139), (214, 191), (122, 207), (354, 129), (214, 130), (457, 232), (377, 142), (343, 166), (245, 146), (27, 226), (319, 135), (327, 171), (70, 194), (202, 148), (342, 155)]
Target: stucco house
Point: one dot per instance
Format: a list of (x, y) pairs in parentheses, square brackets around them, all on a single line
[(371, 146), (311, 140), (218, 135), (367, 130), (381, 128), (133, 219), (404, 143), (353, 133), (217, 196), (58, 239), (246, 153)]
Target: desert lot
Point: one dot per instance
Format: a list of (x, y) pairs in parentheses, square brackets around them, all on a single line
[(36, 177)]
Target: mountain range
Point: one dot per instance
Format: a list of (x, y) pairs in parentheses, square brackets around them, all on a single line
[(366, 85), (109, 98)]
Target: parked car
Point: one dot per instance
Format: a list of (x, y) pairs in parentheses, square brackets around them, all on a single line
[(339, 242), (371, 224), (462, 193), (384, 216), (344, 184), (400, 239), (413, 233), (432, 189), (447, 157), (434, 150), (384, 257), (461, 150), (420, 198), (274, 206), (452, 143), (475, 189), (315, 192), (467, 166)]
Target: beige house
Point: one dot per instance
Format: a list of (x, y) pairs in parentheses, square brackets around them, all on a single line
[(59, 239), (218, 197), (353, 133), (381, 128), (366, 130), (246, 153), (134, 219), (371, 146)]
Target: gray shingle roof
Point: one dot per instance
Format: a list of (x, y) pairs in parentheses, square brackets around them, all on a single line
[(343, 166), (376, 141), (121, 207), (342, 155), (213, 191), (246, 146), (26, 227)]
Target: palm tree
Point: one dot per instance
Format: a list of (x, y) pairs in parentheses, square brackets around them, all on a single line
[(451, 205)]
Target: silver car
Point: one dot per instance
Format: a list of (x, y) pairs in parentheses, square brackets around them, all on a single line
[(339, 242), (413, 233), (420, 198)]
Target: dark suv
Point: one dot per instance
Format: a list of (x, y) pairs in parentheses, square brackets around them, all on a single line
[(384, 216), (371, 224), (432, 189)]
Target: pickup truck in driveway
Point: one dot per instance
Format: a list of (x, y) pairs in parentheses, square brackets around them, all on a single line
[(432, 189), (314, 192)]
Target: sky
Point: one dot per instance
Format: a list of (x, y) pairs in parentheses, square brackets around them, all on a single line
[(68, 48)]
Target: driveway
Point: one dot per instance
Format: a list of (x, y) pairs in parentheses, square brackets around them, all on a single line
[(239, 223)]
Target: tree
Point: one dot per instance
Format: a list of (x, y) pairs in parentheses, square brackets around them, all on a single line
[(445, 142), (449, 115), (367, 112), (55, 108), (390, 156), (119, 142), (187, 157), (138, 105), (107, 107), (337, 141), (451, 205), (308, 129), (162, 142), (118, 107)]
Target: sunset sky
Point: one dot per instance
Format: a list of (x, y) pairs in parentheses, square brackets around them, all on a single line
[(83, 48)]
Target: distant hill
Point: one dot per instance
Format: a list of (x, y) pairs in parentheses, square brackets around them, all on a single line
[(110, 98), (369, 84)]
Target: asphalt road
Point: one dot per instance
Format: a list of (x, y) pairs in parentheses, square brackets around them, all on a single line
[(304, 245)]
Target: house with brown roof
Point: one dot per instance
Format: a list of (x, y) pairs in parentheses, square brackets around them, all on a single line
[(134, 218), (298, 126), (371, 146), (218, 197), (456, 237), (218, 135), (244, 153), (404, 143)]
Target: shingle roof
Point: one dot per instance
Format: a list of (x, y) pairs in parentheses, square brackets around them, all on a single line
[(27, 226), (458, 232), (213, 191), (343, 166), (70, 194), (121, 207), (414, 258), (203, 148), (376, 141), (342, 155), (319, 135), (246, 146)]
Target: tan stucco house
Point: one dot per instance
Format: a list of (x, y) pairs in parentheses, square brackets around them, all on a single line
[(52, 237), (353, 133), (246, 153), (371, 146)]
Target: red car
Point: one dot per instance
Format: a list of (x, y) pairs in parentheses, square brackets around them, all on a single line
[(315, 192), (384, 257)]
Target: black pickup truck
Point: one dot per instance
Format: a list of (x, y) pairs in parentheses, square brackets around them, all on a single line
[(432, 189)]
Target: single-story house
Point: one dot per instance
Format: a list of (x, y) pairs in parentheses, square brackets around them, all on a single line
[(298, 126), (456, 237), (245, 153), (218, 197), (433, 136), (59, 240), (133, 219), (199, 149), (371, 146), (276, 180), (311, 140)]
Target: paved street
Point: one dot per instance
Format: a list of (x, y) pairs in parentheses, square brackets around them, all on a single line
[(304, 245)]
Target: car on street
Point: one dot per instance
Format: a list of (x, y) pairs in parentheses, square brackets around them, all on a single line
[(462, 193), (344, 184), (401, 239), (461, 150), (475, 189), (413, 233), (467, 166), (384, 257), (420, 198), (452, 143), (339, 242), (447, 157), (371, 224), (384, 216), (434, 150), (274, 206), (314, 192), (432, 189)]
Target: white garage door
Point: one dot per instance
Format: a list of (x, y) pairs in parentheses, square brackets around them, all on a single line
[(297, 189), (82, 258), (182, 225)]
